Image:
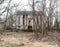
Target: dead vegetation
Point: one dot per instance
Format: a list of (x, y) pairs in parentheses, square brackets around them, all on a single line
[(27, 39)]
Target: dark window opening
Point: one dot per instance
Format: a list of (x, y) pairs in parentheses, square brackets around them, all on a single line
[(23, 19)]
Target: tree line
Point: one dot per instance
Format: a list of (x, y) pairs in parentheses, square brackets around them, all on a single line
[(47, 8)]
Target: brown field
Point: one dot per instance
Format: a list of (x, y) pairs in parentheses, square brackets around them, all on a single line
[(29, 39)]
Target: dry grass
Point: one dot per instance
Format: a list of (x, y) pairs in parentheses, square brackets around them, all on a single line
[(21, 39)]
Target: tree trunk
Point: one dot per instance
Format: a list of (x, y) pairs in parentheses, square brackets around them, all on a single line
[(50, 24), (43, 23)]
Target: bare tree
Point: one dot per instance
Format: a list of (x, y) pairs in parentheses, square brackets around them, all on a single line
[(32, 4), (1, 1), (52, 7), (8, 9)]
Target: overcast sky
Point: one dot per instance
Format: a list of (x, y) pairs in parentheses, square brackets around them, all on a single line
[(21, 3)]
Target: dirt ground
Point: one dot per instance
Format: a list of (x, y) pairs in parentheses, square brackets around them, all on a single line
[(29, 39)]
